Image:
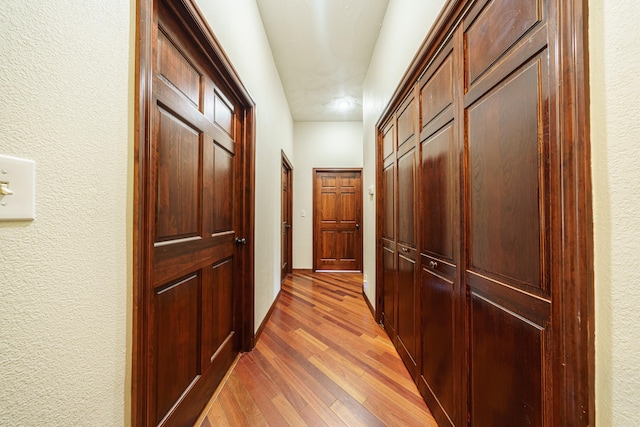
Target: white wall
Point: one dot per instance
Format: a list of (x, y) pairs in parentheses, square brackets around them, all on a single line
[(238, 27), (318, 145), (615, 132), (405, 26), (66, 79)]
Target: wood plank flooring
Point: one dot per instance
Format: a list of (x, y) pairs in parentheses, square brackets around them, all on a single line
[(321, 361)]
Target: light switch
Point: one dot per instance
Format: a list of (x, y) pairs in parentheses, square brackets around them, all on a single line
[(17, 189), (303, 213)]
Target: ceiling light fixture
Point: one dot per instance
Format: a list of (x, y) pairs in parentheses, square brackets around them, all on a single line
[(343, 105)]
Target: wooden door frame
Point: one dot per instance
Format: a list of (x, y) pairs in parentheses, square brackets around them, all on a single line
[(575, 312), (313, 211), (287, 164), (146, 15)]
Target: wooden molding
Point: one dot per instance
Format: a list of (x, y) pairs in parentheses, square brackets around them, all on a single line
[(264, 322), (366, 300)]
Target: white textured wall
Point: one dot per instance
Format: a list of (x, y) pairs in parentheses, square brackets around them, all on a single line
[(615, 133), (318, 145), (66, 82), (238, 27), (405, 26)]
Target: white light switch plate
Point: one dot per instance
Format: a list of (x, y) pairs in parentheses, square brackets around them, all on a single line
[(20, 177)]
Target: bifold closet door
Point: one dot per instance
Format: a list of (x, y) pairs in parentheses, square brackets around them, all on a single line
[(442, 352), (389, 244), (407, 277), (510, 150)]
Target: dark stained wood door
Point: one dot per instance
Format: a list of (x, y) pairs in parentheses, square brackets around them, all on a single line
[(442, 332), (286, 213), (510, 149), (408, 338), (387, 219), (504, 230), (337, 215), (192, 318)]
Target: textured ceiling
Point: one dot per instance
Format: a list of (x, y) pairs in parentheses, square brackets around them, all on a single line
[(322, 50)]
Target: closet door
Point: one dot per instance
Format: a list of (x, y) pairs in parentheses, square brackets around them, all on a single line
[(510, 149), (389, 244), (439, 207), (408, 295)]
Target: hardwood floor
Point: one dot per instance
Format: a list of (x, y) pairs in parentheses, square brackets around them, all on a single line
[(321, 361)]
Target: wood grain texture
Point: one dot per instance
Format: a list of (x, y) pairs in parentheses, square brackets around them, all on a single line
[(504, 219), (194, 167), (337, 215), (321, 361)]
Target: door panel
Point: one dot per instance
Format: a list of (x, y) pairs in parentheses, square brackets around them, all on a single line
[(408, 304), (177, 341), (223, 185), (487, 41), (388, 141), (437, 195), (178, 70), (507, 352), (179, 191), (437, 342), (388, 220), (218, 295), (407, 199), (406, 123), (390, 291), (337, 218), (504, 142)]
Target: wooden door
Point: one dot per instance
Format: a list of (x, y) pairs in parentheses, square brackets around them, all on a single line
[(387, 218), (337, 215), (511, 162), (442, 332), (407, 241), (192, 290), (286, 182)]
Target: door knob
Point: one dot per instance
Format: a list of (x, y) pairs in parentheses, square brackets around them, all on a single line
[(242, 241), (357, 226)]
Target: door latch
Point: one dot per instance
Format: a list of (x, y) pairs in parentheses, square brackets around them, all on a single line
[(240, 241)]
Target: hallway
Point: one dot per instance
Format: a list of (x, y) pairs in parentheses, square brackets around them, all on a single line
[(321, 361)]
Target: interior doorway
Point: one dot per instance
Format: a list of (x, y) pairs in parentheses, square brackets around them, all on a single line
[(286, 217), (337, 215)]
